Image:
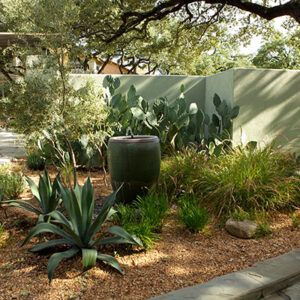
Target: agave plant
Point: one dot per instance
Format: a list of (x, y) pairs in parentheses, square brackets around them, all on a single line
[(78, 229), (47, 195)]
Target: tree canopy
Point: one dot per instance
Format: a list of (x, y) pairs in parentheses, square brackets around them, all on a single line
[(166, 34)]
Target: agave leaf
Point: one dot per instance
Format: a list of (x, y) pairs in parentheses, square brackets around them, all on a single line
[(103, 215), (47, 227), (34, 188), (44, 193), (23, 204), (131, 239), (60, 218), (110, 240), (56, 258), (89, 257), (87, 205), (111, 261), (49, 244)]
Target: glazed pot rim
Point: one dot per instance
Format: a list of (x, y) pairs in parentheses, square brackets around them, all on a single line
[(136, 139)]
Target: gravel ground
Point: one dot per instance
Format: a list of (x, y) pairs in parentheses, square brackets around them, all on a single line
[(179, 259)]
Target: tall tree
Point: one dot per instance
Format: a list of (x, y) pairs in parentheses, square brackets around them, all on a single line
[(282, 52)]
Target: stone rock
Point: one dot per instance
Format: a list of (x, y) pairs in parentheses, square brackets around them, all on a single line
[(242, 229)]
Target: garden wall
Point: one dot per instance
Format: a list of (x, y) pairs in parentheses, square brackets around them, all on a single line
[(269, 100), (270, 105), (154, 87)]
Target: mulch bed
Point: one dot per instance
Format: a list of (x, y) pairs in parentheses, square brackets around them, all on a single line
[(179, 259)]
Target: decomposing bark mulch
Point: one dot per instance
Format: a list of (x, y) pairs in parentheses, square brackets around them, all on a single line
[(179, 259)]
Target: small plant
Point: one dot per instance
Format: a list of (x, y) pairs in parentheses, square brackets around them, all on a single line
[(11, 185), (47, 195), (191, 214), (240, 215), (263, 229), (153, 207), (78, 230), (144, 217), (35, 162), (296, 220)]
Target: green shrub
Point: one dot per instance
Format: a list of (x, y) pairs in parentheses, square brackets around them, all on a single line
[(11, 185), (250, 179), (191, 214), (35, 162), (263, 229), (144, 217)]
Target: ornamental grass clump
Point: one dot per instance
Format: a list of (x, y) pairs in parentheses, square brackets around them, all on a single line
[(242, 178), (144, 217), (191, 214), (178, 171), (250, 179), (79, 232)]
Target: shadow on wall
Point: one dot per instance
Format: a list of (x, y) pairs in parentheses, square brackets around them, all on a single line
[(270, 106)]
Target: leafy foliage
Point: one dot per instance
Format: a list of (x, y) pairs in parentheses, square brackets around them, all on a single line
[(281, 52), (35, 162), (250, 179), (194, 217), (175, 123), (79, 231), (11, 185), (46, 194), (144, 217)]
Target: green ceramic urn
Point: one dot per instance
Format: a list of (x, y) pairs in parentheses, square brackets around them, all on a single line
[(134, 161)]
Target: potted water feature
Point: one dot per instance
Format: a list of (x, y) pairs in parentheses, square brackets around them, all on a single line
[(134, 161)]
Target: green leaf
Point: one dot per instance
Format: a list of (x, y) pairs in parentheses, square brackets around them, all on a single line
[(138, 113), (33, 188), (23, 204), (216, 100), (115, 100), (216, 120), (193, 109), (111, 261), (131, 239), (47, 227), (110, 240), (182, 88), (222, 109), (56, 258), (49, 244), (234, 112), (151, 118), (183, 121), (117, 83), (89, 257)]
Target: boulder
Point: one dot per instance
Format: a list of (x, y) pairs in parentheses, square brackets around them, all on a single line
[(242, 229)]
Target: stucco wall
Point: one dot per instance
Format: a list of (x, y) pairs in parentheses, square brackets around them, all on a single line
[(153, 87), (222, 84), (269, 103)]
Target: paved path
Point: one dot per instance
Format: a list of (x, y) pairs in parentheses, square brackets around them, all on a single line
[(277, 278), (9, 146)]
